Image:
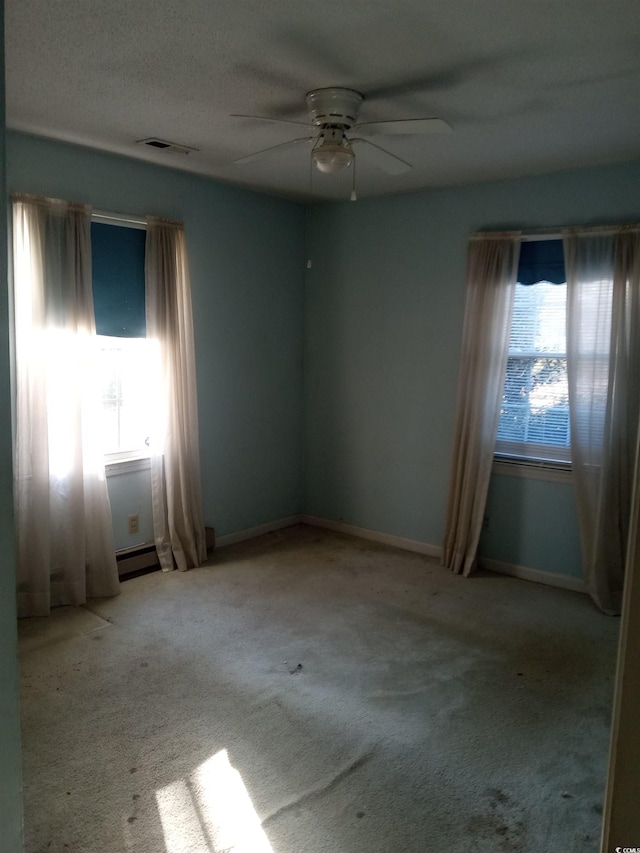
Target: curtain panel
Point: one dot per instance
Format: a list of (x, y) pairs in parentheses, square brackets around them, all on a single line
[(65, 549), (175, 457), (603, 362), (492, 265)]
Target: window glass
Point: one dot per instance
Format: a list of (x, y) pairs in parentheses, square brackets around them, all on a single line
[(534, 413), (126, 371), (126, 367)]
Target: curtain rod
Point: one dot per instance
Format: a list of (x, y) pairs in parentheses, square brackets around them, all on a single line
[(122, 219), (533, 236), (528, 235), (584, 230)]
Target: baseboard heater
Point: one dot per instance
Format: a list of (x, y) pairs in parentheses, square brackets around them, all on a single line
[(144, 558)]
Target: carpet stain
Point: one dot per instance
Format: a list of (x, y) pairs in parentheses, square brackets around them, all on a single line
[(504, 836), (496, 797), (498, 826), (132, 819)]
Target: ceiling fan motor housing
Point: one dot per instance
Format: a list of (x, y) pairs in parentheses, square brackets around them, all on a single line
[(334, 106)]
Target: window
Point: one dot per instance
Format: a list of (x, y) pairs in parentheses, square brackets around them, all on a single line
[(127, 395), (534, 413), (125, 359)]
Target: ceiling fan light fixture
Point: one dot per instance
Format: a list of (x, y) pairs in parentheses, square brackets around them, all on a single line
[(332, 157), (332, 153)]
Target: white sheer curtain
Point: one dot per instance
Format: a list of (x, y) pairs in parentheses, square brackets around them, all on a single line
[(603, 363), (175, 457), (64, 534), (492, 266)]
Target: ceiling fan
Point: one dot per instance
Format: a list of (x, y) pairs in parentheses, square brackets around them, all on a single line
[(333, 114)]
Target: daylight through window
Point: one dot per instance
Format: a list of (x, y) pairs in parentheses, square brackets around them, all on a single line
[(534, 414), (126, 378)]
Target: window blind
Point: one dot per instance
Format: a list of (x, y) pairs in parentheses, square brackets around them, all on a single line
[(541, 260), (118, 280), (534, 414)]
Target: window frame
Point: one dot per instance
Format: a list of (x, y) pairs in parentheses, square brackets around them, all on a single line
[(536, 464), (114, 467), (555, 472)]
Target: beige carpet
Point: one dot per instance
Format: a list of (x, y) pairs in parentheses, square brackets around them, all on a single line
[(312, 693)]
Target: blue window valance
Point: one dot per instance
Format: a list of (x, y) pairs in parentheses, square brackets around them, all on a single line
[(118, 280), (541, 260)]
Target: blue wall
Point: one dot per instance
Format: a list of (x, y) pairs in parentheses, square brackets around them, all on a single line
[(532, 524), (246, 258), (10, 770), (383, 314), (130, 494), (381, 311)]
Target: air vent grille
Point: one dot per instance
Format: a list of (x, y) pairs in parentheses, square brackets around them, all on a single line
[(165, 145)]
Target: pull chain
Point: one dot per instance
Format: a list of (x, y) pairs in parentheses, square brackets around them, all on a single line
[(353, 196)]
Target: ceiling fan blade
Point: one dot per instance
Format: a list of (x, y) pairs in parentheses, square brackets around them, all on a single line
[(404, 126), (413, 86), (379, 157), (317, 57), (260, 74), (265, 152), (268, 118), (441, 79)]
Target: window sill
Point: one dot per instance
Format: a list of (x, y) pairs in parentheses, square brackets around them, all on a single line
[(552, 472), (114, 467)]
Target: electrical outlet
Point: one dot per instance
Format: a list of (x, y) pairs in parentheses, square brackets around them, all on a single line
[(134, 523)]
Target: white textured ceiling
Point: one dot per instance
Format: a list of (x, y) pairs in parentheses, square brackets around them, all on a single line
[(528, 87)]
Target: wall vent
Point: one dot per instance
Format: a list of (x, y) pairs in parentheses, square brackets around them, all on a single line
[(165, 145)]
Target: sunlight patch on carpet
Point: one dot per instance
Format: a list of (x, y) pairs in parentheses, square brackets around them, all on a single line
[(211, 812)]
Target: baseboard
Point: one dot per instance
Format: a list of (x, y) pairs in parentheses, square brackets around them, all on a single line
[(522, 572), (260, 530), (536, 575), (374, 536)]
